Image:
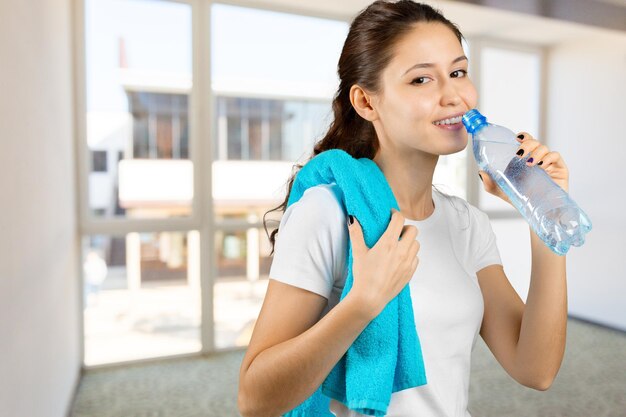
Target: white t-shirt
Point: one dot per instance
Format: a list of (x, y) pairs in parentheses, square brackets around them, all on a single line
[(310, 253)]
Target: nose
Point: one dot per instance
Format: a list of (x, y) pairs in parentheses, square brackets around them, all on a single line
[(449, 94)]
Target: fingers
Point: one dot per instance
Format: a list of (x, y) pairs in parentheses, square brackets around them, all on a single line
[(396, 230), (530, 149), (414, 258), (488, 184), (549, 159), (535, 152), (409, 232), (537, 155), (408, 240), (356, 236), (396, 224), (409, 245), (528, 145), (523, 136)]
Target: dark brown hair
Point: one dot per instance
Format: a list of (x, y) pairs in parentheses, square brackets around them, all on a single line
[(366, 52)]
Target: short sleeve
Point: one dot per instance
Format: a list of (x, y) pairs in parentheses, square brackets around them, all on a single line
[(311, 242), (483, 241)]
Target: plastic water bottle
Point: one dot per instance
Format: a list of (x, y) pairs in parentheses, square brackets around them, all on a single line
[(547, 208)]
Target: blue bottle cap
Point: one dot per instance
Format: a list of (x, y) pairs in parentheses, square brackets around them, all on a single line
[(473, 120)]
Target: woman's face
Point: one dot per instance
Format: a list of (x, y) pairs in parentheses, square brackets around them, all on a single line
[(414, 97)]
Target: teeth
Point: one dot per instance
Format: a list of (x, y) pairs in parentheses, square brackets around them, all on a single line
[(451, 121)]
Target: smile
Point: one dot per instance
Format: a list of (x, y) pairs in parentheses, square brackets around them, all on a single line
[(451, 121)]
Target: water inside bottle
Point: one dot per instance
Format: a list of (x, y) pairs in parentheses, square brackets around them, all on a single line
[(561, 226)]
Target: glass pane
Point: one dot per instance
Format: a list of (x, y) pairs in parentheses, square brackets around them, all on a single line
[(510, 83), (273, 102), (138, 61), (243, 268), (141, 296), (270, 53)]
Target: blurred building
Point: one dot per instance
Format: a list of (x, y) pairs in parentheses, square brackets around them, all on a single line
[(141, 166)]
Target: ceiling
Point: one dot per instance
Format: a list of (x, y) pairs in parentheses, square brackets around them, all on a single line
[(608, 14), (520, 21)]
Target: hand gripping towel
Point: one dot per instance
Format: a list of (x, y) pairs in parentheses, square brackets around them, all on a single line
[(386, 357)]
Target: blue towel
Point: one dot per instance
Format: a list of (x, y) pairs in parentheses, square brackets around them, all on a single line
[(387, 356)]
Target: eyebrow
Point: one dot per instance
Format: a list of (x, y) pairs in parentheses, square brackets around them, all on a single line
[(428, 65)]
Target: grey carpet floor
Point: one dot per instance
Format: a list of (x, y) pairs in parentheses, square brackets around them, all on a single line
[(591, 383)]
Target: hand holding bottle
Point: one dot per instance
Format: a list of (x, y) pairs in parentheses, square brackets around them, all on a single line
[(535, 154), (524, 173)]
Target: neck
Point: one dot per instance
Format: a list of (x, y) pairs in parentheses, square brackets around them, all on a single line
[(410, 178)]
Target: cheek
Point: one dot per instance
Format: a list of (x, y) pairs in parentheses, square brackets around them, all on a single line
[(470, 96), (420, 109)]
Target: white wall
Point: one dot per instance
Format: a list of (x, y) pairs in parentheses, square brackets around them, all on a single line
[(586, 103), (39, 315), (585, 114)]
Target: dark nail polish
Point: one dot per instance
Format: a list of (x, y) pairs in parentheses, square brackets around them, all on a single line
[(480, 176), (350, 219), (540, 162), (520, 136), (520, 152), (530, 160)]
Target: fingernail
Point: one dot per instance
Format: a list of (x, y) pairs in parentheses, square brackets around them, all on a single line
[(350, 220), (520, 136), (530, 160), (520, 152), (540, 162), (480, 176)]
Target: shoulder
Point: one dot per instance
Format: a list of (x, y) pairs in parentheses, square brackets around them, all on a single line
[(321, 199), (320, 207)]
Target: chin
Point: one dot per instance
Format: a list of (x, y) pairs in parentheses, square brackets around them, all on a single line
[(456, 147), (450, 152)]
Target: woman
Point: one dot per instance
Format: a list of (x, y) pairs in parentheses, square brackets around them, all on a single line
[(403, 87)]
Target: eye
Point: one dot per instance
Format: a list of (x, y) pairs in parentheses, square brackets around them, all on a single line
[(463, 71), (420, 80)]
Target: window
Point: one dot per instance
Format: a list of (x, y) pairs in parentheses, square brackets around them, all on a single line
[(138, 62), (141, 296), (141, 288), (269, 129), (273, 77), (160, 125), (510, 86)]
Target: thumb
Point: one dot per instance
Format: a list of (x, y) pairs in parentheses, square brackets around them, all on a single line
[(488, 183), (491, 186), (356, 234)]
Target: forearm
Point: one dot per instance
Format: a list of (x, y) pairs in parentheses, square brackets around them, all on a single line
[(283, 376), (541, 343)]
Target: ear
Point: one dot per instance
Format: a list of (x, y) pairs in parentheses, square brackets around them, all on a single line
[(361, 101)]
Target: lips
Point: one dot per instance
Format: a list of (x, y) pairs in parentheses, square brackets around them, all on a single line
[(456, 126), (452, 119)]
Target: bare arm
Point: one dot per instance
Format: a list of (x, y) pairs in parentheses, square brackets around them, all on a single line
[(281, 377), (541, 344)]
